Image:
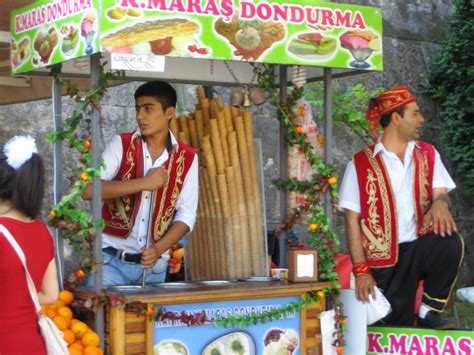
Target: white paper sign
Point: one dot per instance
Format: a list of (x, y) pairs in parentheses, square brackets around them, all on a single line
[(305, 266), (137, 62)]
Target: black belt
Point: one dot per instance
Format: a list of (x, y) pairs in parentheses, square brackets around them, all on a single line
[(123, 255)]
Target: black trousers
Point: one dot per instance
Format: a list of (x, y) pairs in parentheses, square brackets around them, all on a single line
[(431, 258)]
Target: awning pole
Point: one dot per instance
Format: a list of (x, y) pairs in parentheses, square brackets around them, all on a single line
[(328, 158), (96, 203), (282, 243), (58, 168)]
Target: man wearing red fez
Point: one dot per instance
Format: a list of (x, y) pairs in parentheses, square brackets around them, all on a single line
[(137, 163), (398, 222)]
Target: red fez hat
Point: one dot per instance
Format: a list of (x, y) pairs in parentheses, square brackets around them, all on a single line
[(387, 102)]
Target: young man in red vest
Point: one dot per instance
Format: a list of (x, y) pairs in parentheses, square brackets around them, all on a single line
[(136, 164), (397, 211)]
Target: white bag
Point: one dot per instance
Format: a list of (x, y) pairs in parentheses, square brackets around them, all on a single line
[(378, 308), (52, 336)]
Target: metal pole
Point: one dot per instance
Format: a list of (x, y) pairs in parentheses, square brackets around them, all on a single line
[(97, 203), (283, 156), (328, 158), (58, 187), (148, 233)]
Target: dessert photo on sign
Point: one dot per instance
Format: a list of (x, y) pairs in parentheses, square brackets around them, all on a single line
[(170, 36), (312, 46), (250, 38)]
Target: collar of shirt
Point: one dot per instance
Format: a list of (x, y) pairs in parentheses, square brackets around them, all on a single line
[(379, 147), (172, 141)]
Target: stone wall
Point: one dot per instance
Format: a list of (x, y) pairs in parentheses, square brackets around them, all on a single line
[(413, 31)]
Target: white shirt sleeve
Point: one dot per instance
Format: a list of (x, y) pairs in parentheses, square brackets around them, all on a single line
[(112, 157), (441, 177), (349, 191), (188, 198)]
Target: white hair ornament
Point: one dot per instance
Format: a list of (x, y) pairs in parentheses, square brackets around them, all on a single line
[(18, 150)]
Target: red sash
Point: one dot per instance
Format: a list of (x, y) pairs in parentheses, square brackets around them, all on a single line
[(120, 213), (378, 207)]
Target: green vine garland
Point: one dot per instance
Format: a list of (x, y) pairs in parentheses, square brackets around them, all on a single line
[(67, 215)]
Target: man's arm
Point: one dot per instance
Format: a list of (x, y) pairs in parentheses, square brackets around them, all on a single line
[(154, 179), (172, 236), (365, 284), (439, 215)]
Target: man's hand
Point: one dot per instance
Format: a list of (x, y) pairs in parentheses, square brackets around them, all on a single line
[(440, 218), (154, 179), (365, 286), (149, 257)]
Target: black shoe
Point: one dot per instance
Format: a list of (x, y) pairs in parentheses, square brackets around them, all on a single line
[(435, 320)]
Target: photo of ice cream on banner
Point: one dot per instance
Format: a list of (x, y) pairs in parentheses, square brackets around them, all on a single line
[(280, 342), (361, 44), (162, 36), (45, 42), (312, 46), (88, 30), (70, 39), (250, 38)]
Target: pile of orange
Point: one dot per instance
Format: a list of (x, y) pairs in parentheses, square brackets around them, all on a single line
[(81, 339)]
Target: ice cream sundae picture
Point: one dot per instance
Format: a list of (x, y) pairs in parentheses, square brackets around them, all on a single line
[(170, 347), (280, 342), (361, 44), (250, 38), (88, 30), (20, 52), (312, 45), (45, 43), (70, 39), (235, 343)]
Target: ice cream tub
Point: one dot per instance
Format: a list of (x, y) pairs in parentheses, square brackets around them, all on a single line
[(279, 273)]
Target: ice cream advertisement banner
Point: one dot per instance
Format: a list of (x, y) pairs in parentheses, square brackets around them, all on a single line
[(271, 338), (304, 32), (53, 31), (384, 340)]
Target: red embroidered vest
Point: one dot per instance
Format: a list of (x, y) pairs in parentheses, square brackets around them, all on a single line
[(378, 207), (120, 213)]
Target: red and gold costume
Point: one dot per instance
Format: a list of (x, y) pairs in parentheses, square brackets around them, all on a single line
[(378, 208), (120, 213)]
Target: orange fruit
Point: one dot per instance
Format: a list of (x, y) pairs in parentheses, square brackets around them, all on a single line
[(74, 350), (80, 273), (78, 342), (59, 304), (313, 226), (87, 144), (299, 129), (340, 350), (92, 350), (74, 321), (62, 322), (64, 312), (84, 177), (79, 329), (332, 181), (50, 312), (90, 338), (68, 336), (66, 297)]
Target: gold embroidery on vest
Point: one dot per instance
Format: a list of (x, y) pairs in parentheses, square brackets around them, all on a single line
[(423, 171), (163, 220), (378, 241), (118, 207)]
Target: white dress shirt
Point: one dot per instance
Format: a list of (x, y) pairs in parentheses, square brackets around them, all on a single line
[(401, 178), (185, 207)]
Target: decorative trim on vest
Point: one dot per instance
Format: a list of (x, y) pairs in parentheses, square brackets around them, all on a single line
[(165, 198), (378, 207)]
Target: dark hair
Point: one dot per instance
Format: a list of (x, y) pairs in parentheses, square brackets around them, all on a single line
[(160, 90), (24, 187), (387, 118)]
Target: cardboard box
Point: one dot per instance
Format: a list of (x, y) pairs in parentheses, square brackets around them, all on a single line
[(302, 265)]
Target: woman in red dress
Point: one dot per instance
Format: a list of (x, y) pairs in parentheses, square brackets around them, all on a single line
[(21, 194)]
